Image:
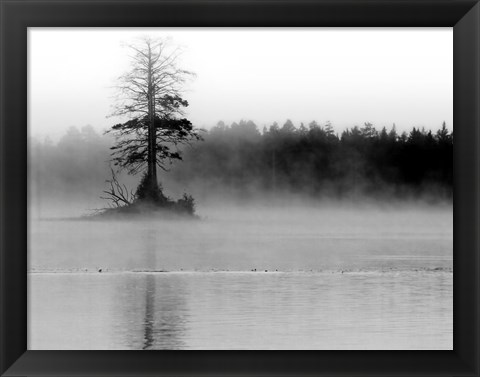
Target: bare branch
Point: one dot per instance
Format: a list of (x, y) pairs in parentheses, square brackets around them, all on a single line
[(118, 194)]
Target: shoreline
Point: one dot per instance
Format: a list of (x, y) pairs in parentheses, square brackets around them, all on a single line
[(218, 271)]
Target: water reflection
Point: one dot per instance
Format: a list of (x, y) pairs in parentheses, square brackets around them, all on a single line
[(371, 310), (165, 312), (164, 304), (149, 312)]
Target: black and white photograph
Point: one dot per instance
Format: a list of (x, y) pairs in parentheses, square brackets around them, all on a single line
[(240, 188)]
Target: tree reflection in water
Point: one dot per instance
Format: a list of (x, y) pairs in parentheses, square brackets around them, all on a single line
[(164, 322)]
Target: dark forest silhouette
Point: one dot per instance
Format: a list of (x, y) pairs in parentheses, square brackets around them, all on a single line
[(315, 160), (239, 158)]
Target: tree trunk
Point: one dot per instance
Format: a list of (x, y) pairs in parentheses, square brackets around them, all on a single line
[(151, 181)]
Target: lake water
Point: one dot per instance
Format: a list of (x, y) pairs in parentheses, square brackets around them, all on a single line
[(323, 278)]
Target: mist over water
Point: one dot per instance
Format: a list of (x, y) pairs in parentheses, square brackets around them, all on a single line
[(286, 237), (326, 275)]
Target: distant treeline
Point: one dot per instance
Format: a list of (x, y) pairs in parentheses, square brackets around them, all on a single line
[(314, 159), (75, 166), (240, 159)]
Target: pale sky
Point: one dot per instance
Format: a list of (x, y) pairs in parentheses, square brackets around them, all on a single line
[(344, 75)]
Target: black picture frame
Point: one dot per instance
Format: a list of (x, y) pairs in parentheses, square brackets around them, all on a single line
[(17, 15)]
